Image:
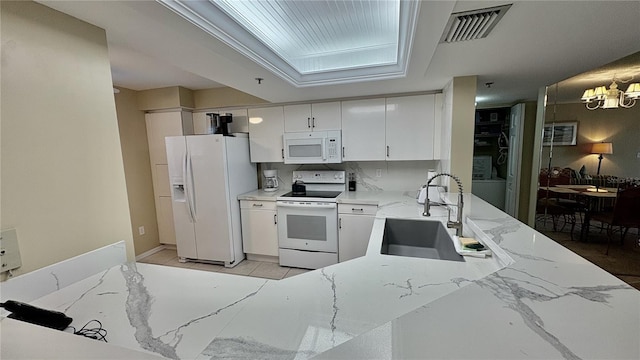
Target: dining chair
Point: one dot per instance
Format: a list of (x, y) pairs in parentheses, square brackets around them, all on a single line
[(557, 205), (625, 214)]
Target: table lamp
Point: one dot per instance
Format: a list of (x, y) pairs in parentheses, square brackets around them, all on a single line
[(600, 149)]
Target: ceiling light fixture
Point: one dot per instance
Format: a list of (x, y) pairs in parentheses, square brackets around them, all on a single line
[(612, 98)]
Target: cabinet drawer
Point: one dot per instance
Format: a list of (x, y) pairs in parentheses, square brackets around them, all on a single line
[(257, 205), (357, 209)]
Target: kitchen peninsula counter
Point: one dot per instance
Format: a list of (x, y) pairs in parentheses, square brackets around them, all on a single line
[(533, 299)]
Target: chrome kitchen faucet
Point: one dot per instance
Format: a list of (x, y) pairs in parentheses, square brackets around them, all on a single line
[(450, 224)]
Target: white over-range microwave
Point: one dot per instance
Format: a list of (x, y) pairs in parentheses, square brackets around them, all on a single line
[(313, 147)]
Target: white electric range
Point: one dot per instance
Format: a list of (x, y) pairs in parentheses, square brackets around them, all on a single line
[(308, 221)]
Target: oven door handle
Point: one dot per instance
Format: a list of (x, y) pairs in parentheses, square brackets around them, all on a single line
[(306, 206)]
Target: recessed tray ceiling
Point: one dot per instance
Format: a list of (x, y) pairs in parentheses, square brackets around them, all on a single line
[(312, 42)]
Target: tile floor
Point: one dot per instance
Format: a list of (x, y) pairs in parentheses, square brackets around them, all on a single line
[(169, 257)]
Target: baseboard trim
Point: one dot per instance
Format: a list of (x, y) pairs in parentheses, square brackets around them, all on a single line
[(263, 258), (151, 252)]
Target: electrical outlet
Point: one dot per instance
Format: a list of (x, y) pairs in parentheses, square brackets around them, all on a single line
[(378, 172), (638, 155), (9, 250), (140, 230)]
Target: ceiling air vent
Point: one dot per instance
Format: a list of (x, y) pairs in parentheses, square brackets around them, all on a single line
[(474, 24)]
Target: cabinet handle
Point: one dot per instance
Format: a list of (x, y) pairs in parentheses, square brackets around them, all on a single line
[(257, 205), (309, 123), (313, 122), (343, 152), (358, 210), (339, 223), (275, 218), (387, 150), (282, 153)]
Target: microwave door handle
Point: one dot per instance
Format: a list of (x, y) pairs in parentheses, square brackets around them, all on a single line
[(324, 148)]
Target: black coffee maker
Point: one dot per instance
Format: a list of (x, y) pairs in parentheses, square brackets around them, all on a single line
[(218, 123)]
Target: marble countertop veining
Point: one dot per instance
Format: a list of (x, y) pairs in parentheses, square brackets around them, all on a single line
[(261, 195), (534, 298)]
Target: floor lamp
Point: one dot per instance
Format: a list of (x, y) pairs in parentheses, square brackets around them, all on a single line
[(601, 149)]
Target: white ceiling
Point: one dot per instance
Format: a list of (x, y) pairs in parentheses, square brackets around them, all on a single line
[(537, 43)]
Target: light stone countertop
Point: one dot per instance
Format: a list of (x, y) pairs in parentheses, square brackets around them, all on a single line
[(532, 299), (261, 195)]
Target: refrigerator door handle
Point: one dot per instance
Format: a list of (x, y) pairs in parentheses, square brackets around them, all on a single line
[(184, 183), (191, 194)]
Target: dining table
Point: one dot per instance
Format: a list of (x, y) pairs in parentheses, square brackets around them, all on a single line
[(589, 195)]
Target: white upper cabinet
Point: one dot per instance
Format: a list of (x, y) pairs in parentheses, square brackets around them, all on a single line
[(410, 126), (363, 130), (240, 123), (266, 126), (312, 117)]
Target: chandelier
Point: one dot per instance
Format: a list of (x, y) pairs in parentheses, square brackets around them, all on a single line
[(601, 98)]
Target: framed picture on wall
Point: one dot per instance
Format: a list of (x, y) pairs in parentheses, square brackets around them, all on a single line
[(564, 133)]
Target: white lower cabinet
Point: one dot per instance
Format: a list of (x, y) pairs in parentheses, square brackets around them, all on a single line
[(354, 224), (164, 215), (259, 228)]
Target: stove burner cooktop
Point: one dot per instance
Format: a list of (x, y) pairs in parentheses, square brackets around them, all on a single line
[(314, 194)]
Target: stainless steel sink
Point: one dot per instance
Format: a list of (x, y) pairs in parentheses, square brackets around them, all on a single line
[(418, 238)]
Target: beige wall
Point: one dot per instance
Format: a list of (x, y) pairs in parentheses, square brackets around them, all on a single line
[(63, 185), (135, 154), (462, 128), (165, 98), (224, 97), (528, 137), (619, 126)]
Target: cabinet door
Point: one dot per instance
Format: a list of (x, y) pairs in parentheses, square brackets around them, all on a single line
[(200, 123), (325, 116), (297, 118), (259, 232), (410, 127), (354, 233), (266, 126), (164, 215), (363, 130), (160, 125), (160, 175)]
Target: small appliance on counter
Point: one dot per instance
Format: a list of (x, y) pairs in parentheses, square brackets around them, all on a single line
[(432, 192), (270, 180), (352, 182)]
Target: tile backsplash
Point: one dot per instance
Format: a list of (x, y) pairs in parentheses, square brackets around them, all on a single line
[(370, 175)]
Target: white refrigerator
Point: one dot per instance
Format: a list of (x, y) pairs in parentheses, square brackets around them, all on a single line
[(207, 173)]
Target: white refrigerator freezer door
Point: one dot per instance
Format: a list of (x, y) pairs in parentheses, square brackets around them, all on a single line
[(211, 202), (184, 228)]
